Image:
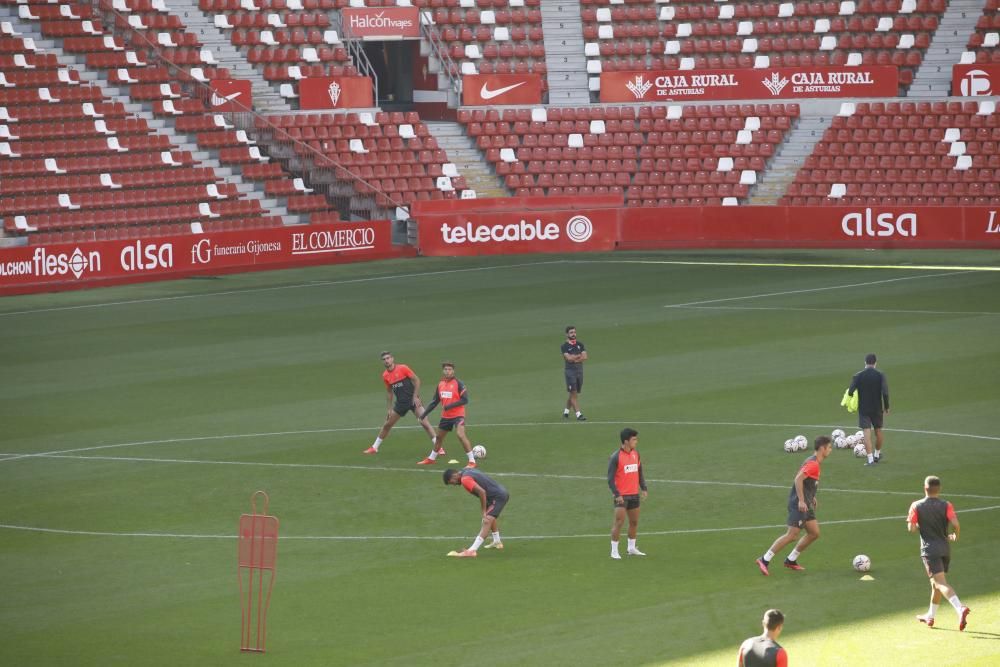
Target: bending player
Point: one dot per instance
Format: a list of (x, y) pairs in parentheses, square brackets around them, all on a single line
[(492, 496), (402, 388)]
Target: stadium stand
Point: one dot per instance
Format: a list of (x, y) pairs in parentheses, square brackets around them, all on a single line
[(984, 43), (925, 153)]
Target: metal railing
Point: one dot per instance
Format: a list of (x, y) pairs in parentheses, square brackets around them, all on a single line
[(352, 195), (440, 51), (356, 50)]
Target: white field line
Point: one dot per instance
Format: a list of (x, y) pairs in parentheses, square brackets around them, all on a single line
[(531, 475), (863, 311), (254, 290), (814, 289), (365, 538), (15, 456), (791, 265)]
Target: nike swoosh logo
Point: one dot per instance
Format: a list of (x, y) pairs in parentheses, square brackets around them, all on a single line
[(488, 94), (218, 100)]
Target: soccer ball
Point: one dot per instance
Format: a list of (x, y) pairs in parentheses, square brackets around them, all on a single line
[(837, 433), (479, 452), (862, 563), (840, 442), (860, 435), (851, 440), (860, 451), (800, 442), (790, 445)]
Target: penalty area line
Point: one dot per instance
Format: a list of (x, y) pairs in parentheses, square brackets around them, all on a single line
[(365, 538)]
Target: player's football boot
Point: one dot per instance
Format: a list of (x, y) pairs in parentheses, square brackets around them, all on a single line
[(581, 418), (370, 450), (792, 565), (963, 621), (471, 464), (927, 620), (468, 553), (635, 552), (494, 545), (565, 415), (427, 462), (762, 566), (616, 556)]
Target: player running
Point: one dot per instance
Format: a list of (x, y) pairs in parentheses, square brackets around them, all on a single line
[(493, 497), (801, 509), (402, 388), (933, 517), (626, 481), (453, 396)]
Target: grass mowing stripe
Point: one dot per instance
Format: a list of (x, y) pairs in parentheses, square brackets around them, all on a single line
[(362, 538)]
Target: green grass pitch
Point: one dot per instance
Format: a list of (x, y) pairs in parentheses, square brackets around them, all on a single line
[(137, 422)]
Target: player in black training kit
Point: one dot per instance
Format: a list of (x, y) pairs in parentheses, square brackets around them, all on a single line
[(873, 402), (574, 354)]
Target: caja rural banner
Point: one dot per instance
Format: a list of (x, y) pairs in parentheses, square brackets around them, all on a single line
[(336, 92), (738, 84), (499, 89), (811, 227), (478, 230), (381, 22), (231, 94), (975, 80), (68, 265)]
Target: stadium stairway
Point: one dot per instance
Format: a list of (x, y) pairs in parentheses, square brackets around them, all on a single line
[(799, 142), (266, 99), (471, 161), (567, 66), (933, 78)]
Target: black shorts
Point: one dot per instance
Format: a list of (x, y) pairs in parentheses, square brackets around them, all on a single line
[(495, 505), (629, 502), (870, 421), (798, 519), (402, 408), (450, 423), (936, 564), (574, 380)]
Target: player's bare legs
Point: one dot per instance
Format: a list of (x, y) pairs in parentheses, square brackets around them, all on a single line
[(940, 589), (790, 536), (812, 534), (390, 421), (466, 444), (572, 402), (418, 409), (868, 441), (878, 443), (619, 521)]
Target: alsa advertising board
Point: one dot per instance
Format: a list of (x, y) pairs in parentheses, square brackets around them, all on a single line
[(815, 227), (740, 84), (975, 80), (499, 89), (381, 22), (60, 266), (531, 231)]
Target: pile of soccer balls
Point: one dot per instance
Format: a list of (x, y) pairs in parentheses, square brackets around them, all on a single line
[(855, 442), (797, 444)]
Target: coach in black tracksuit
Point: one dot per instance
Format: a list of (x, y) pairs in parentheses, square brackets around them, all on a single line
[(873, 402)]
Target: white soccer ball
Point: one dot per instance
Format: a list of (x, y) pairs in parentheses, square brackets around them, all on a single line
[(851, 440), (840, 442), (790, 445), (479, 452), (860, 435), (860, 451), (837, 433), (862, 563), (801, 442)]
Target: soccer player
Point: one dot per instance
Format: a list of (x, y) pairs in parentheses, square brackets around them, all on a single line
[(764, 650), (801, 509), (574, 353), (492, 496), (402, 388), (873, 402), (453, 396), (933, 517), (627, 485)]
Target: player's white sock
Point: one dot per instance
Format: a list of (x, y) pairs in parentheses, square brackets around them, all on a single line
[(566, 411), (614, 548), (878, 455), (472, 457), (932, 610), (496, 537), (631, 544), (871, 458), (434, 441), (768, 555), (794, 555), (578, 413), (478, 542), (956, 603), (433, 455), (377, 443)]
